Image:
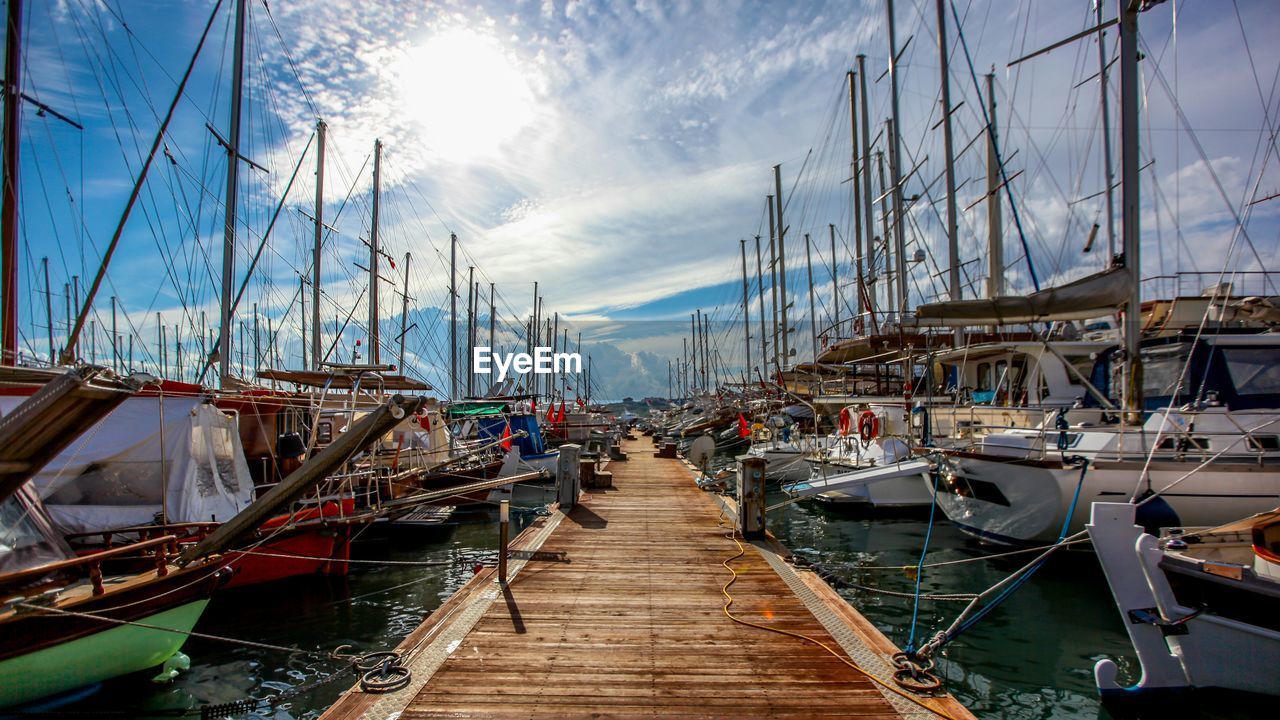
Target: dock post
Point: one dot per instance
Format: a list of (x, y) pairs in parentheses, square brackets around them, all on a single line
[(751, 497), (568, 480), (504, 525)]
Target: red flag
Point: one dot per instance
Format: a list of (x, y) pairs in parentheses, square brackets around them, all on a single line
[(560, 417), (744, 430), (581, 404), (506, 437), (533, 407), (551, 413)]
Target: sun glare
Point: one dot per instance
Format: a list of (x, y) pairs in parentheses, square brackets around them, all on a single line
[(467, 93)]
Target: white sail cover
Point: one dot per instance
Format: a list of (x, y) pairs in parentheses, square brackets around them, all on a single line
[(112, 476), (1081, 299)]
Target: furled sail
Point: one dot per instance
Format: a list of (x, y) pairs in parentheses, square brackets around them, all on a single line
[(1081, 299)]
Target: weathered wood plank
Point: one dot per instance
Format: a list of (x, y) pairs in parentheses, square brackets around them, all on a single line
[(631, 624)]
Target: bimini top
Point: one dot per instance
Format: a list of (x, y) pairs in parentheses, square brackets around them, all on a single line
[(1082, 299), (478, 408), (340, 379)]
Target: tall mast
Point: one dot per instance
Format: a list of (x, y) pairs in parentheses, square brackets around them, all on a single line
[(813, 316), (555, 337), (693, 358), (302, 300), (869, 232), (884, 221), (233, 180), (953, 237), (764, 350), (854, 166), (703, 322), (115, 347), (374, 339), (492, 325), (404, 313), (684, 364), (1129, 199), (773, 284), (895, 165), (48, 308), (746, 308), (9, 212), (835, 279), (782, 263), (899, 240), (453, 316), (316, 325), (995, 218), (534, 319), (1109, 173), (471, 327)]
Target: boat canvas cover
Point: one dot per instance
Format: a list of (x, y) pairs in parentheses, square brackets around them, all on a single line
[(111, 476), (1082, 299)]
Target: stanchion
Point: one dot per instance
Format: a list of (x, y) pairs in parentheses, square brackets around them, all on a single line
[(504, 525)]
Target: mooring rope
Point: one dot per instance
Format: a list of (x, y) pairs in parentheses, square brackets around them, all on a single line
[(728, 601)]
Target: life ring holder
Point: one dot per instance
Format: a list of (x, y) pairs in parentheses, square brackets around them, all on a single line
[(868, 427)]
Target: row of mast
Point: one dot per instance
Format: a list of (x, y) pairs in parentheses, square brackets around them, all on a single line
[(894, 246), (223, 353)]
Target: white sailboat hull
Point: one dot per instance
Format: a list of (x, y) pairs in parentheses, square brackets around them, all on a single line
[(1177, 648), (1021, 502)]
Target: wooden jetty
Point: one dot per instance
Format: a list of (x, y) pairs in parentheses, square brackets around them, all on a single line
[(615, 609)]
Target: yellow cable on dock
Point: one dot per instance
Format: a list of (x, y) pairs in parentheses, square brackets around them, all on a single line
[(728, 600)]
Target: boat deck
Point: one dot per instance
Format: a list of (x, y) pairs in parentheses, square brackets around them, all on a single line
[(615, 609)]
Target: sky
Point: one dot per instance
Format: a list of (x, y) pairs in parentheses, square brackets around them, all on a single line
[(616, 153)]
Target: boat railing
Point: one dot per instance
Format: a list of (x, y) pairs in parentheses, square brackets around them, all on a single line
[(160, 550)]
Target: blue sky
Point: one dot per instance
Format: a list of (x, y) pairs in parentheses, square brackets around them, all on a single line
[(615, 152)]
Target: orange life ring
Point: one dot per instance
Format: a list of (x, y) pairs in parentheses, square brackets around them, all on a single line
[(868, 426), (846, 421)]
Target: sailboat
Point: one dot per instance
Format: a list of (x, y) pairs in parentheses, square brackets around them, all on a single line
[(1193, 440), (1198, 604), (63, 623)]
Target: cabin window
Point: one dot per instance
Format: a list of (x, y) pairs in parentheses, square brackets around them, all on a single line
[(1254, 371), (324, 432), (984, 377), (1183, 443), (1264, 442), (1161, 369)]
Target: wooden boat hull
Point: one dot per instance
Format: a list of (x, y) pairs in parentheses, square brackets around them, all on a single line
[(311, 551), (117, 650), (45, 653)]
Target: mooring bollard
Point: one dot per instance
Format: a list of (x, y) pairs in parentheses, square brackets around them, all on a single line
[(751, 497), (568, 480), (504, 525)]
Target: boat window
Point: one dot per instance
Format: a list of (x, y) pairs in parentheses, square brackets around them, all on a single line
[(984, 377), (1254, 371), (1161, 369), (324, 432), (1264, 442), (26, 539), (1183, 443)]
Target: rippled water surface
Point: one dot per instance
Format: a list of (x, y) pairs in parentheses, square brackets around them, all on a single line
[(1030, 659)]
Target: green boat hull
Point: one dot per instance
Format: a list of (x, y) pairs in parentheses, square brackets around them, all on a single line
[(117, 650)]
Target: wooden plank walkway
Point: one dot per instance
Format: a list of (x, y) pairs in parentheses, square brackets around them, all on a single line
[(631, 623)]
